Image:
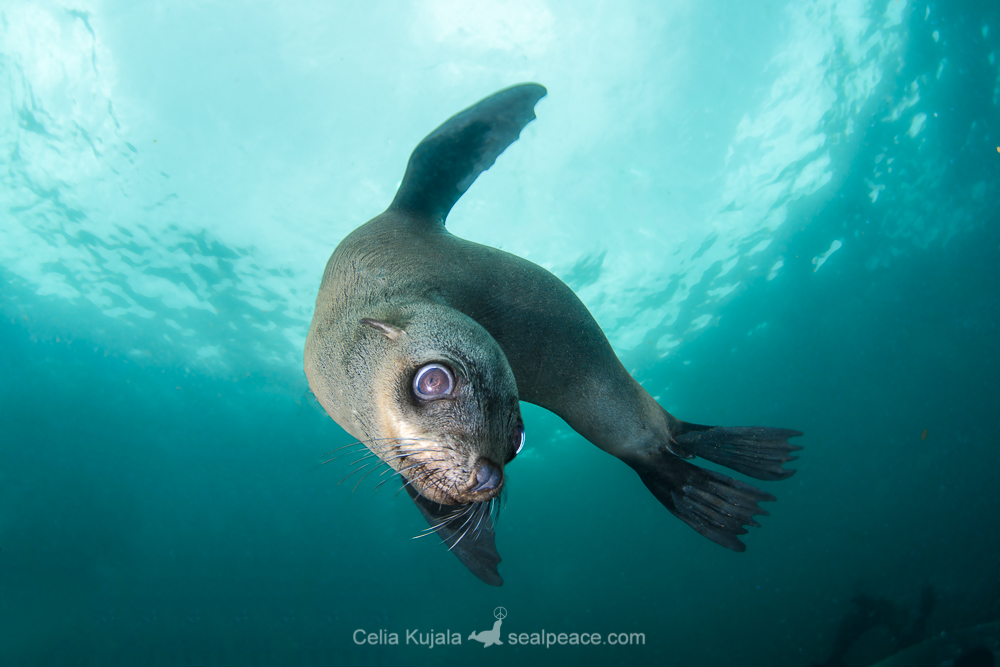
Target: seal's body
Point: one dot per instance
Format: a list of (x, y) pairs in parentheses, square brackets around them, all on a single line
[(422, 344)]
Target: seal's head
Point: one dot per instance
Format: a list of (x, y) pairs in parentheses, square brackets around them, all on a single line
[(446, 413)]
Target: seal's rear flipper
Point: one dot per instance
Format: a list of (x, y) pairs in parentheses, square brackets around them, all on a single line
[(448, 160), (714, 505), (752, 450), (469, 535)]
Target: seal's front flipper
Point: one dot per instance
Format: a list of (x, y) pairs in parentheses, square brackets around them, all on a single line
[(752, 450), (448, 160), (468, 534), (714, 505)]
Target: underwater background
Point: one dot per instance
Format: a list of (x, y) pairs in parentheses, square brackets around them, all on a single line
[(781, 213)]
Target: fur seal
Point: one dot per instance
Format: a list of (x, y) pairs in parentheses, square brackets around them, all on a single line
[(423, 343)]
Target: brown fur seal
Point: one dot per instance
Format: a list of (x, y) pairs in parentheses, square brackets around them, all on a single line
[(422, 344)]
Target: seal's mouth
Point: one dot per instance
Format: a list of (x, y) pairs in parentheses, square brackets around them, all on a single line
[(453, 481), (455, 485), (438, 471)]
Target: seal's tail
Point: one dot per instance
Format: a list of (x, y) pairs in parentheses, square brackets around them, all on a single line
[(752, 450), (715, 505)]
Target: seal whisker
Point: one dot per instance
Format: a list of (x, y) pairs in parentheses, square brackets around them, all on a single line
[(389, 469), (448, 518), (352, 444), (366, 475), (501, 503), (409, 482), (400, 472), (489, 508), (418, 464), (481, 510), (433, 473), (454, 515), (411, 453), (380, 454), (416, 476), (413, 439), (379, 485), (467, 527), (368, 443), (370, 454), (445, 520), (348, 453), (461, 537), (356, 447), (406, 449), (426, 473), (363, 458), (356, 470), (412, 467)]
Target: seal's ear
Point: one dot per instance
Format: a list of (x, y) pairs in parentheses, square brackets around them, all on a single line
[(390, 332)]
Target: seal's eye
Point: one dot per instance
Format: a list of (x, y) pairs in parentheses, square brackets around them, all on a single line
[(519, 438), (433, 381)]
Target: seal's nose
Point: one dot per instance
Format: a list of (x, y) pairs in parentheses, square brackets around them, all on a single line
[(488, 477)]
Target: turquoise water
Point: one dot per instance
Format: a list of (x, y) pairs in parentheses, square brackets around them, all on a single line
[(781, 213)]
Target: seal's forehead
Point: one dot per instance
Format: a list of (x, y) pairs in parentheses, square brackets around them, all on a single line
[(472, 352)]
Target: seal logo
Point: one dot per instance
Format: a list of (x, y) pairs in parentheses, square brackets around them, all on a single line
[(422, 345), (491, 637)]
